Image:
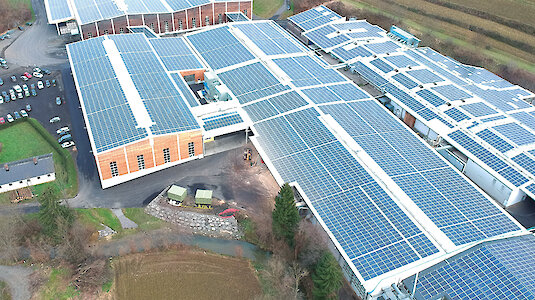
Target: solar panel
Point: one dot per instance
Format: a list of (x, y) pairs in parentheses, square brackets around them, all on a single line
[(495, 270), (345, 54), (405, 81), (184, 88), (219, 47), (424, 76), (515, 133), (321, 95), (382, 65), (526, 118), (385, 47), (175, 54), (269, 39), (144, 30), (405, 98), (251, 82), (431, 97), (451, 92), (401, 61), (222, 121), (495, 141), (370, 75), (456, 114), (305, 71), (287, 101), (307, 124), (478, 109), (324, 37), (58, 10), (525, 162), (260, 110)]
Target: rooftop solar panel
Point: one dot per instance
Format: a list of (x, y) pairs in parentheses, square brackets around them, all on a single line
[(495, 141), (424, 76), (382, 65), (405, 81), (478, 109), (222, 121), (58, 10), (451, 92), (401, 61), (385, 47), (515, 133)]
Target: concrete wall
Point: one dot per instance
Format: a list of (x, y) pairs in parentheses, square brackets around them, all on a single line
[(28, 182), (126, 157)]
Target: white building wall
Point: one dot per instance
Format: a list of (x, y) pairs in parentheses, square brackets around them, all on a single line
[(28, 182), (495, 188)]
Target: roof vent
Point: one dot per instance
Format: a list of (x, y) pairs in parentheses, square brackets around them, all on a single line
[(35, 160), (396, 70), (410, 67), (421, 86), (6, 167)]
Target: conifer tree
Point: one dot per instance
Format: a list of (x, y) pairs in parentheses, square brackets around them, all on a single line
[(327, 277), (52, 214), (285, 216)]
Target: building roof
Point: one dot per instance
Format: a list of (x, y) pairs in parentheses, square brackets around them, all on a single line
[(126, 92), (203, 197), (26, 169), (389, 202), (177, 191), (85, 11)]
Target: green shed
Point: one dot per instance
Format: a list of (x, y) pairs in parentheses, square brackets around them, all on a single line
[(177, 193), (203, 198)]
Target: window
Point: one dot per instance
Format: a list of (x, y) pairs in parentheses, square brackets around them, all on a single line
[(207, 20), (180, 25), (166, 24), (219, 18), (245, 12), (140, 162), (113, 169), (121, 30), (191, 149), (89, 35), (106, 32), (166, 155), (193, 22)]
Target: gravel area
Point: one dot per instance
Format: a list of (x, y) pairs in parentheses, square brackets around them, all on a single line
[(194, 222)]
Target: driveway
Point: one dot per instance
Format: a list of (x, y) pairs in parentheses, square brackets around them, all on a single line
[(17, 278)]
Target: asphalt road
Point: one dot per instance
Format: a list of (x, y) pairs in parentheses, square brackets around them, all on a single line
[(18, 279), (39, 44)]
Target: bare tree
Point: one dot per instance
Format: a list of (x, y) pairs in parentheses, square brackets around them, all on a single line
[(9, 237)]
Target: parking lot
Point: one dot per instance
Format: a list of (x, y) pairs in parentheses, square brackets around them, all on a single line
[(43, 105)]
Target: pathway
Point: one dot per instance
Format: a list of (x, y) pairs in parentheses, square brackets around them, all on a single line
[(126, 223), (18, 280)]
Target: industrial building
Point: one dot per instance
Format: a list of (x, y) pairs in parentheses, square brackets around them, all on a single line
[(392, 206), (103, 17), (482, 124)]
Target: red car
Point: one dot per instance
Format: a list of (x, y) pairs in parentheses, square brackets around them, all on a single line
[(2, 121), (28, 75)]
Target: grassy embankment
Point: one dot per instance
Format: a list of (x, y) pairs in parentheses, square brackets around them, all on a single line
[(265, 9), (27, 138)]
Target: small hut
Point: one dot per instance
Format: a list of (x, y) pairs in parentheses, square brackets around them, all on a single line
[(203, 198), (176, 194)]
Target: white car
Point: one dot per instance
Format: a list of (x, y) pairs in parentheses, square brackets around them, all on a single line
[(40, 85), (17, 88), (62, 130), (10, 118), (27, 93), (1, 99), (55, 120), (67, 144), (37, 75), (23, 113), (20, 96)]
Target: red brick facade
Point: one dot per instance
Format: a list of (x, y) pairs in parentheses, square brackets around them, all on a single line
[(199, 16)]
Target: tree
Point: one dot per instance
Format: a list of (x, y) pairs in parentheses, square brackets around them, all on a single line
[(53, 215), (285, 215), (327, 277)]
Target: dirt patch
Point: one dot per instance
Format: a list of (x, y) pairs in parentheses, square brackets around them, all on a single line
[(184, 275)]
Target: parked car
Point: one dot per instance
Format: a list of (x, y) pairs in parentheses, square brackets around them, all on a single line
[(24, 87), (65, 138), (17, 88), (28, 107), (1, 81), (32, 86), (13, 95), (29, 23), (37, 69), (4, 93), (27, 75), (62, 130), (58, 101), (47, 83), (20, 95), (46, 71), (53, 82), (67, 144), (55, 119), (1, 99), (2, 120), (16, 114), (40, 85), (37, 75), (21, 28), (33, 92), (10, 118), (23, 113), (26, 93), (13, 78), (24, 78)]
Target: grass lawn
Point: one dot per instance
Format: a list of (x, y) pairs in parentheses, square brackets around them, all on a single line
[(27, 3), (27, 138), (144, 221), (266, 8), (57, 286)]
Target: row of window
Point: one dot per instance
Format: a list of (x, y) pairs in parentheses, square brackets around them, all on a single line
[(180, 26), (28, 180), (141, 159)]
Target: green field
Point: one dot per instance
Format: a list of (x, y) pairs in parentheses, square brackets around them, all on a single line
[(96, 216), (25, 3), (265, 9), (27, 138), (4, 291), (56, 286)]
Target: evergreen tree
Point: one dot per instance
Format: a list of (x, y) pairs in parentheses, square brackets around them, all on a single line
[(327, 277), (285, 216), (52, 214)]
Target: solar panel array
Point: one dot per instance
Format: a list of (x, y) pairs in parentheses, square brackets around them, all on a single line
[(145, 30), (58, 10), (237, 17), (223, 120), (305, 71), (315, 17), (109, 115), (336, 34), (495, 270), (175, 54), (269, 38)]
